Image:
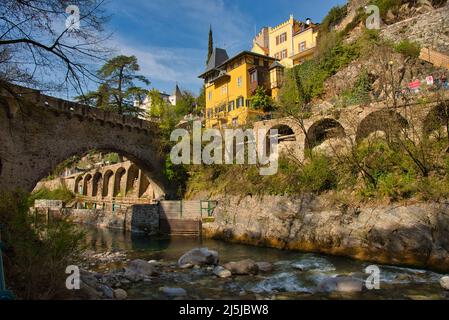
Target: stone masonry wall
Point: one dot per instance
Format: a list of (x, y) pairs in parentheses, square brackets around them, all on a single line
[(143, 218), (415, 235), (137, 218)]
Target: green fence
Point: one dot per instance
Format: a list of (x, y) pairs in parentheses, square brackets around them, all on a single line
[(187, 209), (207, 208)]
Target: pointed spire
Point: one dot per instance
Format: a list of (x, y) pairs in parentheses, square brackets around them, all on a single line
[(211, 44), (177, 91)]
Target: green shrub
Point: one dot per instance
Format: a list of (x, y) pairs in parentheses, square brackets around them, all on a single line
[(62, 194), (112, 158), (334, 17), (396, 186), (385, 5), (261, 100), (360, 92), (36, 255), (338, 57), (311, 77), (433, 189), (317, 175), (408, 49), (306, 81)]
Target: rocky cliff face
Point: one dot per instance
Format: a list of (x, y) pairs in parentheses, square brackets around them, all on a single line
[(414, 235), (430, 29), (424, 25)]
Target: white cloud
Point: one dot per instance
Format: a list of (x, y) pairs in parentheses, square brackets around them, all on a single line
[(171, 43), (168, 65)]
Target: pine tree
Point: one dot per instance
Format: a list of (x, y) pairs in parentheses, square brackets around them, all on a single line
[(211, 44)]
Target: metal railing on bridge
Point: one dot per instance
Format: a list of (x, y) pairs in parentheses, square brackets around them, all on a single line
[(117, 200)]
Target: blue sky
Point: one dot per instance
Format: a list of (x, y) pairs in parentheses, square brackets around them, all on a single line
[(170, 38)]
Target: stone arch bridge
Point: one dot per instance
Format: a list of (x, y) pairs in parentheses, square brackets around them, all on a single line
[(353, 124), (38, 132)]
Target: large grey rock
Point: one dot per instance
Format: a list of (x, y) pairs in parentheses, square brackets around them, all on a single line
[(120, 294), (173, 292), (89, 278), (142, 267), (264, 266), (199, 257), (222, 272), (107, 291), (243, 267), (341, 284), (87, 292), (444, 282), (132, 275)]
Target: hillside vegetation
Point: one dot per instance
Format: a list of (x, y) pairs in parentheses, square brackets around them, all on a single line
[(353, 66)]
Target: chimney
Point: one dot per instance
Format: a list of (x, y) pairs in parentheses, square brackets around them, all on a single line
[(308, 21)]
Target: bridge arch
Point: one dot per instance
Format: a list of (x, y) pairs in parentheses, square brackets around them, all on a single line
[(385, 120), (120, 182), (285, 132), (132, 178), (108, 183), (87, 185), (78, 184), (96, 184), (322, 130)]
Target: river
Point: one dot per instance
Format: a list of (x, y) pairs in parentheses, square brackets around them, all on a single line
[(296, 275)]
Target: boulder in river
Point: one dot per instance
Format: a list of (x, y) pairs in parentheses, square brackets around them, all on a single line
[(173, 292), (341, 284), (107, 291), (199, 257), (264, 267), (139, 270), (132, 276), (243, 267), (88, 292), (89, 278), (222, 272), (142, 267), (120, 294), (444, 282)]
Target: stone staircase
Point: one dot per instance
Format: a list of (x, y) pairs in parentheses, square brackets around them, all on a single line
[(180, 227)]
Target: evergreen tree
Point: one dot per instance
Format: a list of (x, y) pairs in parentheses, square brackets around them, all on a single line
[(119, 91)]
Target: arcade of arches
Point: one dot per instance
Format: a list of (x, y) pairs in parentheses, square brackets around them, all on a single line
[(123, 180)]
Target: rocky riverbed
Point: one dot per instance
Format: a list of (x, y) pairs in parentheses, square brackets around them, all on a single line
[(167, 269)]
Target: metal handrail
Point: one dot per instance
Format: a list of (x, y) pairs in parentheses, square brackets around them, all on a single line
[(119, 200), (4, 294)]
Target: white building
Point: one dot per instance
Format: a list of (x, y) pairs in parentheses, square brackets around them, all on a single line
[(172, 100)]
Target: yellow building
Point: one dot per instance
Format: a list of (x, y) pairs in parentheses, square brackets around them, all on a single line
[(292, 42), (230, 84)]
